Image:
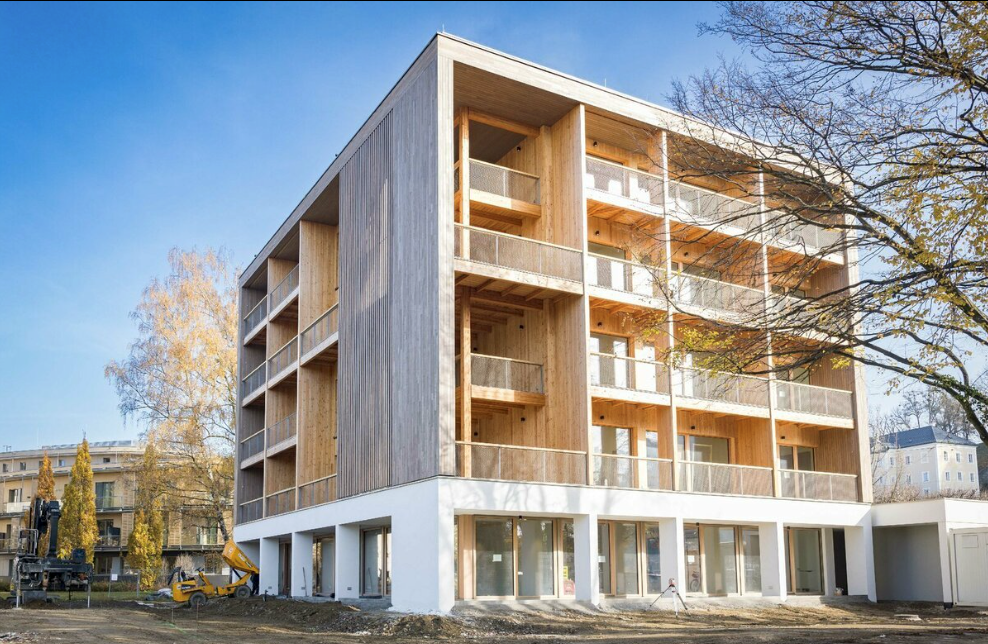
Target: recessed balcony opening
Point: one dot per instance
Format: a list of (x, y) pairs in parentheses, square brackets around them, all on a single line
[(721, 454), (817, 462)]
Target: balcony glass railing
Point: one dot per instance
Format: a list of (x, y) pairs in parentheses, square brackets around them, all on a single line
[(317, 492), (721, 478), (505, 373), (254, 380), (622, 181), (257, 316), (512, 463), (282, 430), (615, 372), (738, 389), (810, 399), (692, 290), (517, 253), (819, 486), (286, 357), (252, 445), (284, 288), (504, 182), (250, 510), (280, 502), (109, 502), (624, 276), (326, 325), (634, 472), (699, 206)]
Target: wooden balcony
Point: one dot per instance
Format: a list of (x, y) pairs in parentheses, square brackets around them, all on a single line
[(818, 486), (721, 392), (281, 436), (723, 478), (284, 297), (505, 381), (279, 502), (252, 449), (320, 340), (499, 193), (498, 261), (632, 472), (283, 365), (317, 492), (516, 463), (254, 384), (255, 323), (804, 403), (628, 379), (616, 193)]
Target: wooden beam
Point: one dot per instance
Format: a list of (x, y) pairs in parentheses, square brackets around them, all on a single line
[(507, 300), (502, 123), (466, 352)]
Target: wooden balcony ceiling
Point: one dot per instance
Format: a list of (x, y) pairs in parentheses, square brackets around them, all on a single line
[(508, 291), (259, 336), (329, 355), (625, 215)]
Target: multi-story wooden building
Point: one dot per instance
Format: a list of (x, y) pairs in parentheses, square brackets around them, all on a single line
[(440, 380), (114, 464)]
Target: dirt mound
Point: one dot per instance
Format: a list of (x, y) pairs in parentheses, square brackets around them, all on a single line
[(307, 616), (431, 626)]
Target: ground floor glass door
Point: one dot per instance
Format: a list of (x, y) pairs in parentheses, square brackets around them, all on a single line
[(805, 561), (376, 562)]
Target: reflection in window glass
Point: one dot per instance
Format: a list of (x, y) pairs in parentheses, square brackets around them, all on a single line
[(534, 557), (653, 570), (691, 547), (751, 551), (569, 558), (719, 560), (604, 558), (626, 558), (494, 558)]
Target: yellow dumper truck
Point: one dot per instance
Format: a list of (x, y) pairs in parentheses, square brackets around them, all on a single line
[(197, 590)]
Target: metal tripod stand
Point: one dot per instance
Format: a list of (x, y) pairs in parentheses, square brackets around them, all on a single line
[(675, 592)]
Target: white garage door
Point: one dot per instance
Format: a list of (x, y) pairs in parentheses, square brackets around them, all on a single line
[(971, 567)]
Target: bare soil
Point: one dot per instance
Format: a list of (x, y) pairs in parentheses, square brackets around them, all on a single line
[(257, 620)]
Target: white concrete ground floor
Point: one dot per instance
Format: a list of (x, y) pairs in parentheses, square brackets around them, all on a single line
[(428, 544)]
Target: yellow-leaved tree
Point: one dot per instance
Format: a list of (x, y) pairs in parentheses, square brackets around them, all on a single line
[(144, 545), (45, 492), (77, 527), (180, 381)]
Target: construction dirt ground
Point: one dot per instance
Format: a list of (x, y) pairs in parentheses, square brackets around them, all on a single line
[(257, 620)]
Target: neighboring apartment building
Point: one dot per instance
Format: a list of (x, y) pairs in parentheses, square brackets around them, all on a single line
[(441, 398), (113, 464), (926, 460)]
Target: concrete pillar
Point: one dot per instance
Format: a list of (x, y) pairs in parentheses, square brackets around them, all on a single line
[(772, 544), (585, 556), (269, 564), (829, 563), (301, 564), (328, 573), (672, 553), (945, 567), (860, 561), (422, 579), (347, 561)]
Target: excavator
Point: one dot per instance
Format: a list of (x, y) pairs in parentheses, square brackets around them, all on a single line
[(36, 573), (197, 590)]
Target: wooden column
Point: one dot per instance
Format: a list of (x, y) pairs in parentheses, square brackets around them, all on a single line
[(465, 556), (670, 325), (464, 144), (466, 385), (769, 361)]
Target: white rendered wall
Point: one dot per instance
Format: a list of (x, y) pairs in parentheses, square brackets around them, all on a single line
[(421, 516)]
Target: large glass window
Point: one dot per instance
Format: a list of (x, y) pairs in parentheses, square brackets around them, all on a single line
[(604, 557), (805, 570), (606, 370), (376, 559), (704, 449), (535, 557), (569, 558), (691, 548), (719, 560), (611, 466), (751, 551), (494, 558), (653, 563), (625, 558)]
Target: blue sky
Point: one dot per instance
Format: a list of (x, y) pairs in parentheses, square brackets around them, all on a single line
[(129, 129)]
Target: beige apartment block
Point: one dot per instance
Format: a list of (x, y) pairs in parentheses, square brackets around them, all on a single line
[(114, 464)]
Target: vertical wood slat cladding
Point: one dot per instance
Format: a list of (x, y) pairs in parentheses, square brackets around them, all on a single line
[(389, 381)]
